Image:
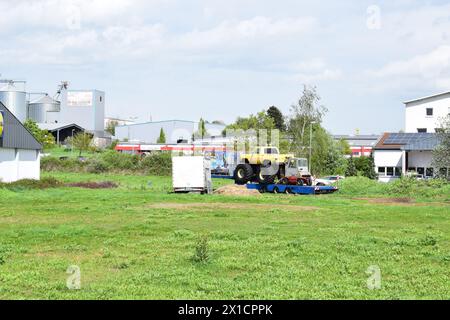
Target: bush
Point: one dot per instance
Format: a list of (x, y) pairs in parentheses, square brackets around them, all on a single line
[(201, 254), (120, 161), (158, 164), (44, 183), (97, 166)]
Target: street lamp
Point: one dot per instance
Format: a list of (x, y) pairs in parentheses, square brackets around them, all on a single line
[(310, 145)]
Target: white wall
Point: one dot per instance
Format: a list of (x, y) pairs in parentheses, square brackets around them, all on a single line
[(388, 158), (89, 115), (20, 164), (416, 116), (420, 159)]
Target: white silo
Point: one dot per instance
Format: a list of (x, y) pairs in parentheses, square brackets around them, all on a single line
[(14, 97)]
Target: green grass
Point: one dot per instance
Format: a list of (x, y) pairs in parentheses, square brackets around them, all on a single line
[(140, 242)]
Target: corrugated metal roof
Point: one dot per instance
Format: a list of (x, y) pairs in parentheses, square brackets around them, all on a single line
[(15, 135), (45, 99)]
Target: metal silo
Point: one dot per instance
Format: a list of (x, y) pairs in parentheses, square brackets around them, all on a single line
[(38, 109), (14, 97)]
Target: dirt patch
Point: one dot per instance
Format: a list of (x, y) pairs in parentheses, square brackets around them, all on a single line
[(394, 201), (93, 185), (235, 190), (230, 206)]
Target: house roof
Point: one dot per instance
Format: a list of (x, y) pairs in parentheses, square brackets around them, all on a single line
[(58, 126), (427, 97), (15, 135), (408, 141)]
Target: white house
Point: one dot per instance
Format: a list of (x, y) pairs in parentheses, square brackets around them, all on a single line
[(424, 114), (19, 151), (397, 154)]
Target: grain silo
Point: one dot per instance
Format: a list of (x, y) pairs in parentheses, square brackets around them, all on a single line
[(42, 109), (14, 97)]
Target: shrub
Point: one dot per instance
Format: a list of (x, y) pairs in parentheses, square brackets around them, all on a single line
[(44, 183), (158, 164), (97, 166), (201, 254), (120, 161)]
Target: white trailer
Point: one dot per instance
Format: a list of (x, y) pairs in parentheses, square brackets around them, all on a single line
[(191, 174)]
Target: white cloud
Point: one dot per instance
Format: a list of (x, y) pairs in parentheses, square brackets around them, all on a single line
[(432, 67)]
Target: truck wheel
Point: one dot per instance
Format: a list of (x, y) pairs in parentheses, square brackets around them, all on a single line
[(243, 174), (263, 179), (300, 182)]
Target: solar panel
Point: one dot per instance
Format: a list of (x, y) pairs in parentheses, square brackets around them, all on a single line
[(407, 138)]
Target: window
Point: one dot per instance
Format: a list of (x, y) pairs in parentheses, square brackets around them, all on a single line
[(430, 112), (271, 151), (421, 171), (422, 130), (101, 98), (430, 172), (411, 169), (382, 171), (443, 172), (390, 171), (398, 172)]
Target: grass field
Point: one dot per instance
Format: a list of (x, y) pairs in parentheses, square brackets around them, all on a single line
[(137, 242)]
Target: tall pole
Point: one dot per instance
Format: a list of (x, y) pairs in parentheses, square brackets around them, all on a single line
[(310, 148)]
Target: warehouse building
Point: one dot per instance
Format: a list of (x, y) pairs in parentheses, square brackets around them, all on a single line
[(398, 154), (19, 150), (361, 145), (176, 131)]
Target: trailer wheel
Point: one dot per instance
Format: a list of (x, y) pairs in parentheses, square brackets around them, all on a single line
[(243, 174), (276, 190)]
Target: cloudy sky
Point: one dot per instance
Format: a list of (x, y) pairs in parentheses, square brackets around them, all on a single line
[(174, 59)]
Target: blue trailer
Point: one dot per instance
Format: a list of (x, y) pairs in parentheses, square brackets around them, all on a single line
[(291, 189)]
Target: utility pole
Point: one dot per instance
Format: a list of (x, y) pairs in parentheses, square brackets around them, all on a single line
[(310, 145)]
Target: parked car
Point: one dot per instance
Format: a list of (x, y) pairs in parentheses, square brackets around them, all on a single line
[(328, 181)]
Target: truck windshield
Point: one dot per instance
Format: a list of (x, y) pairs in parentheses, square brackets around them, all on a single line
[(302, 163), (271, 151)]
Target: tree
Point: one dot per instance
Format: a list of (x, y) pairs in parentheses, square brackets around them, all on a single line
[(366, 167), (43, 136), (111, 127), (202, 132), (307, 110), (162, 137), (351, 168), (277, 117), (81, 141), (441, 155), (344, 147)]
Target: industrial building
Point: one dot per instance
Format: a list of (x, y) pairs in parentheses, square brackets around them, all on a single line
[(424, 115), (84, 109), (176, 131), (361, 145), (19, 150)]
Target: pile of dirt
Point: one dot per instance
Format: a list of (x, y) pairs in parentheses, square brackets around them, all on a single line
[(235, 190), (93, 185)]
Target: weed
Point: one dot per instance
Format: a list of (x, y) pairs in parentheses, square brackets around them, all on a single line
[(201, 254)]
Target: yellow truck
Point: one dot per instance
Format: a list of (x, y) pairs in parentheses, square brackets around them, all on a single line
[(264, 166)]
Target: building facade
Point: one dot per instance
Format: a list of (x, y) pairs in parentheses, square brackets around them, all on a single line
[(20, 152), (360, 145), (176, 131), (399, 154), (424, 115)]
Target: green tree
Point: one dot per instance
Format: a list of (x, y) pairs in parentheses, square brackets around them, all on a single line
[(351, 168), (366, 167), (277, 117), (441, 155), (81, 141), (307, 110), (43, 136), (162, 137), (344, 147), (202, 132), (111, 127)]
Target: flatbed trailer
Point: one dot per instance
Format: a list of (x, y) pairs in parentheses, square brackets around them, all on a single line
[(291, 189)]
